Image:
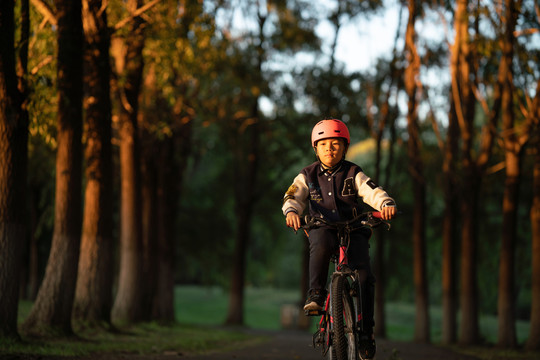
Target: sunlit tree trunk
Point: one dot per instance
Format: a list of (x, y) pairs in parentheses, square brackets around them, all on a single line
[(386, 121), (411, 79), (13, 162), (451, 199), (129, 67), (513, 154), (51, 313), (93, 295), (380, 234), (463, 99)]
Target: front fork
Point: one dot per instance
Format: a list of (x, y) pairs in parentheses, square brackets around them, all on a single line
[(323, 336), (356, 295)]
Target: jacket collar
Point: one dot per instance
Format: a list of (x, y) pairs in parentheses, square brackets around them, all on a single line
[(329, 171)]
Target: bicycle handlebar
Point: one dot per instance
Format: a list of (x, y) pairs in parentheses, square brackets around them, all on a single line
[(369, 219)]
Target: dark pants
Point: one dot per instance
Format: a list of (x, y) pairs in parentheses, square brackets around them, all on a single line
[(323, 243)]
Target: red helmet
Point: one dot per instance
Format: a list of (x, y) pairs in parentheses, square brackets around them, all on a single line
[(331, 128)]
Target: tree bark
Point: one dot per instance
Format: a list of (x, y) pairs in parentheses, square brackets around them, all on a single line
[(450, 184), (170, 180), (13, 163), (93, 295), (422, 329), (473, 168), (51, 313), (450, 232), (163, 301), (149, 213), (533, 343), (513, 155), (129, 60)]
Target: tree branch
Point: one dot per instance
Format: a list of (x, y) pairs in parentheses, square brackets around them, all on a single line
[(137, 12), (44, 9)]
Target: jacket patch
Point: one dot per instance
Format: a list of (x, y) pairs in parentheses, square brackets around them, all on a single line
[(291, 191), (315, 193), (348, 187), (372, 184)]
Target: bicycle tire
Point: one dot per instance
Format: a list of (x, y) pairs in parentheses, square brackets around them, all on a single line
[(344, 334)]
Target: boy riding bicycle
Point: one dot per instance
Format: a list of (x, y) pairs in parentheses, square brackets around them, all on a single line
[(331, 188)]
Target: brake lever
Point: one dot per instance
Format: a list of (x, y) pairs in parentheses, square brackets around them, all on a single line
[(374, 222)]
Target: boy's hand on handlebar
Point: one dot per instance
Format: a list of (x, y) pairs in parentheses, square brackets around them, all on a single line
[(293, 220), (388, 212)]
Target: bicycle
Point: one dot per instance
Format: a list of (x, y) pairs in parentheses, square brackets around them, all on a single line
[(341, 323)]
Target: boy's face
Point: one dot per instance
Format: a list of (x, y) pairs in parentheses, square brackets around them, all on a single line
[(330, 151)]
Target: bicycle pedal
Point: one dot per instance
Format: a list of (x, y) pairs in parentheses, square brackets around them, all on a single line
[(314, 312)]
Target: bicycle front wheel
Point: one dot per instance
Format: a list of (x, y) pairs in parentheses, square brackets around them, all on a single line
[(344, 338)]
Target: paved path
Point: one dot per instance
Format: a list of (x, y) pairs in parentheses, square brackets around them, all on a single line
[(281, 345), (296, 345)]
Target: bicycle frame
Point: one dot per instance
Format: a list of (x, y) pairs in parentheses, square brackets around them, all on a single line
[(349, 302)]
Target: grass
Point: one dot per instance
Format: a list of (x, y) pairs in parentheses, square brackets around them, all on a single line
[(208, 306), (148, 338), (200, 314), (401, 317), (202, 333)]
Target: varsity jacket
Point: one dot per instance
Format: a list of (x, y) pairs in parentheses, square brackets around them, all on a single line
[(336, 196)]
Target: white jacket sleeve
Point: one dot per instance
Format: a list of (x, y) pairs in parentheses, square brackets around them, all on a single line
[(371, 193), (296, 197)]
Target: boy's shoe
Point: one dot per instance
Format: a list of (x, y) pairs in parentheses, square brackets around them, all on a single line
[(315, 300), (366, 346)]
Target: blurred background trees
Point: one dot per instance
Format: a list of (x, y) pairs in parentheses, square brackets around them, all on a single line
[(197, 116)]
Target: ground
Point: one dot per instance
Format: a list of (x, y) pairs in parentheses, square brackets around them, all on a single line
[(297, 345), (293, 345)]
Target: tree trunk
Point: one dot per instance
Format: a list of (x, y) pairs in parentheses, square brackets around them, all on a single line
[(13, 164), (129, 60), (451, 199), (469, 328), (513, 153), (462, 71), (93, 295), (460, 96), (247, 158), (450, 233), (51, 313), (235, 314), (149, 213), (533, 343), (412, 72), (244, 192), (163, 304), (506, 304)]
